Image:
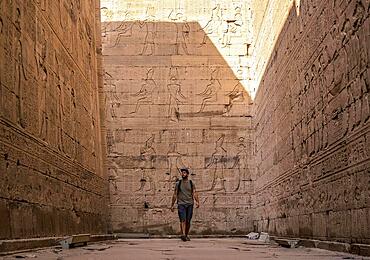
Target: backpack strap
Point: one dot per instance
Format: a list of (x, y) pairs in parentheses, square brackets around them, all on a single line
[(179, 186)]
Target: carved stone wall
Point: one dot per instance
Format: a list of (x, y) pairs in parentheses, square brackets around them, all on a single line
[(312, 123), (174, 88), (51, 178)]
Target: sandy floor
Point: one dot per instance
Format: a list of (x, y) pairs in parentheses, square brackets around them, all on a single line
[(174, 249)]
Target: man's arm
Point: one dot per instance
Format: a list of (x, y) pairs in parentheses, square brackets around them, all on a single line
[(174, 198), (196, 198)]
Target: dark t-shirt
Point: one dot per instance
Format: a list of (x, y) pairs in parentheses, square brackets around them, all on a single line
[(185, 195)]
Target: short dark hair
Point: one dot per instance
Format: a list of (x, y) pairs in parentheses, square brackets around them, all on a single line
[(184, 170)]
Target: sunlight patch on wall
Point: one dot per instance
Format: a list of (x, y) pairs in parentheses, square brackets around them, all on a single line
[(225, 24), (275, 15)]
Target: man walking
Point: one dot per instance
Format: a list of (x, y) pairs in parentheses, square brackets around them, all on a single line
[(185, 194)]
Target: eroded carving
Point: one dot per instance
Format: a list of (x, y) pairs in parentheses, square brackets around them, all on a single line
[(175, 96), (147, 159), (20, 71), (217, 163), (146, 93), (209, 94)]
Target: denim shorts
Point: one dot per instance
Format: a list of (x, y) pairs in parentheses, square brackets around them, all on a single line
[(185, 212)]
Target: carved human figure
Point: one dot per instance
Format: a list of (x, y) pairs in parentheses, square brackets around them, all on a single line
[(209, 94), (174, 164), (147, 90), (126, 30), (113, 178), (149, 40), (20, 71), (236, 95), (60, 101), (241, 166), (231, 27), (147, 158), (213, 25), (182, 32), (218, 163), (42, 75), (111, 97), (175, 98)]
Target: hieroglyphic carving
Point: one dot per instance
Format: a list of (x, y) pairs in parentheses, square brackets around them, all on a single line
[(213, 24), (149, 40), (73, 110), (231, 26), (20, 71), (209, 94), (147, 159), (175, 96), (236, 95), (125, 29), (146, 92), (174, 164), (42, 74), (241, 166), (217, 162), (60, 103), (111, 98), (182, 32)]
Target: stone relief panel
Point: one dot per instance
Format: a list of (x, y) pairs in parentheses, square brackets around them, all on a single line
[(312, 127), (178, 101), (48, 113)]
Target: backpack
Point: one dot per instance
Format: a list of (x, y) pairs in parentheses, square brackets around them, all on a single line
[(179, 186)]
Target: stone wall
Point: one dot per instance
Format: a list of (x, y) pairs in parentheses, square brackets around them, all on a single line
[(175, 79), (312, 123), (51, 178)]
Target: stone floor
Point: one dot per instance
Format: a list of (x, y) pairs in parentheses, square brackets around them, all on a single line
[(174, 249)]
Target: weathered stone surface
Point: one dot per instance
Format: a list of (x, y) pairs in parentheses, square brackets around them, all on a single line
[(174, 97), (51, 175), (314, 80)]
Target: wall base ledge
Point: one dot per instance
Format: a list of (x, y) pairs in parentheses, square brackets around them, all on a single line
[(358, 249), (22, 245)]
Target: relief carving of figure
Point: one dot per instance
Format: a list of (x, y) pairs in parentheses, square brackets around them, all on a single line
[(182, 32), (231, 26), (213, 24), (147, 158), (111, 97), (241, 166), (20, 71), (126, 29), (145, 94), (174, 164), (42, 74), (218, 164), (209, 94), (236, 95), (60, 102), (149, 41), (175, 98)]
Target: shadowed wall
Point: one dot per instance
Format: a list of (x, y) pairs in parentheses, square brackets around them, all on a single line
[(312, 122), (51, 178)]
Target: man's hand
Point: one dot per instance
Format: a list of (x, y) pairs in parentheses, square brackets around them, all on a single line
[(197, 204), (172, 208)]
